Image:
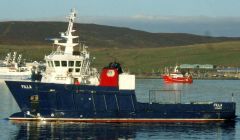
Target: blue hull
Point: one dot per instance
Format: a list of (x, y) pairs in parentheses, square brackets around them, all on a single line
[(58, 102)]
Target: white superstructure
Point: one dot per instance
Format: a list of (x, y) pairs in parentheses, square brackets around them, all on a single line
[(62, 66)]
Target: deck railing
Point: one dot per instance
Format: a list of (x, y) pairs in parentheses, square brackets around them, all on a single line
[(165, 96)]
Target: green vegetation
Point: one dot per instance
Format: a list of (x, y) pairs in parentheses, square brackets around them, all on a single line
[(30, 53), (148, 59), (137, 51), (144, 60), (35, 33)]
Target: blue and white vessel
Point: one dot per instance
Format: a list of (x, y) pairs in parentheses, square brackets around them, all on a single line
[(71, 90)]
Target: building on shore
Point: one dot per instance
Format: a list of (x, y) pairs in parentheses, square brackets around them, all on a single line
[(209, 71), (197, 66)]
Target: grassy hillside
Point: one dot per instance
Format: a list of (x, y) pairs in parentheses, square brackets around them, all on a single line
[(147, 59), (30, 53), (35, 33)]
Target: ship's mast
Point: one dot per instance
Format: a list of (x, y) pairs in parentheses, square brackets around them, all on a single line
[(68, 35)]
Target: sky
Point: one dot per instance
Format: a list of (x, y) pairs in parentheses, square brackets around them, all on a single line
[(203, 17)]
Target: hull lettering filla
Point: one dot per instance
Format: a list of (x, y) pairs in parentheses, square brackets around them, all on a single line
[(26, 86)]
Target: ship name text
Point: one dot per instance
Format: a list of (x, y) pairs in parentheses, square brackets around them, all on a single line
[(26, 86)]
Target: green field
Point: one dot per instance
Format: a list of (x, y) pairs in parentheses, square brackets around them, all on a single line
[(140, 60)]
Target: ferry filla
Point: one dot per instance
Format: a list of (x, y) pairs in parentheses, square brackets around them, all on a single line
[(71, 90)]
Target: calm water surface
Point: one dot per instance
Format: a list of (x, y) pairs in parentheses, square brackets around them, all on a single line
[(200, 90)]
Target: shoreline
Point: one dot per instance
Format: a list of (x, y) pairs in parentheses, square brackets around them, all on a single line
[(206, 78)]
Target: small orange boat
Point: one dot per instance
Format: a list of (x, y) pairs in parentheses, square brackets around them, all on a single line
[(177, 77)]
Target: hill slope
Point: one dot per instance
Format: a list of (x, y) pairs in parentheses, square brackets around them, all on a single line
[(32, 33), (143, 60), (155, 59)]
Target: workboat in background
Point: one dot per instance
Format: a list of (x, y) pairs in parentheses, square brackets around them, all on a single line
[(71, 90), (14, 68), (177, 77)]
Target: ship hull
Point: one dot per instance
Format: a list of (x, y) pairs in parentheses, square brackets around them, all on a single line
[(79, 103)]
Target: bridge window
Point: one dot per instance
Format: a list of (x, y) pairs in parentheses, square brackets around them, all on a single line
[(57, 63), (52, 63), (70, 70), (64, 63), (77, 70), (49, 63), (71, 63), (78, 64)]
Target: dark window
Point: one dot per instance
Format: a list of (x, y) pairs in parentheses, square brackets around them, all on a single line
[(77, 70), (57, 63), (64, 63), (49, 63), (78, 64), (71, 63), (52, 63), (70, 70)]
